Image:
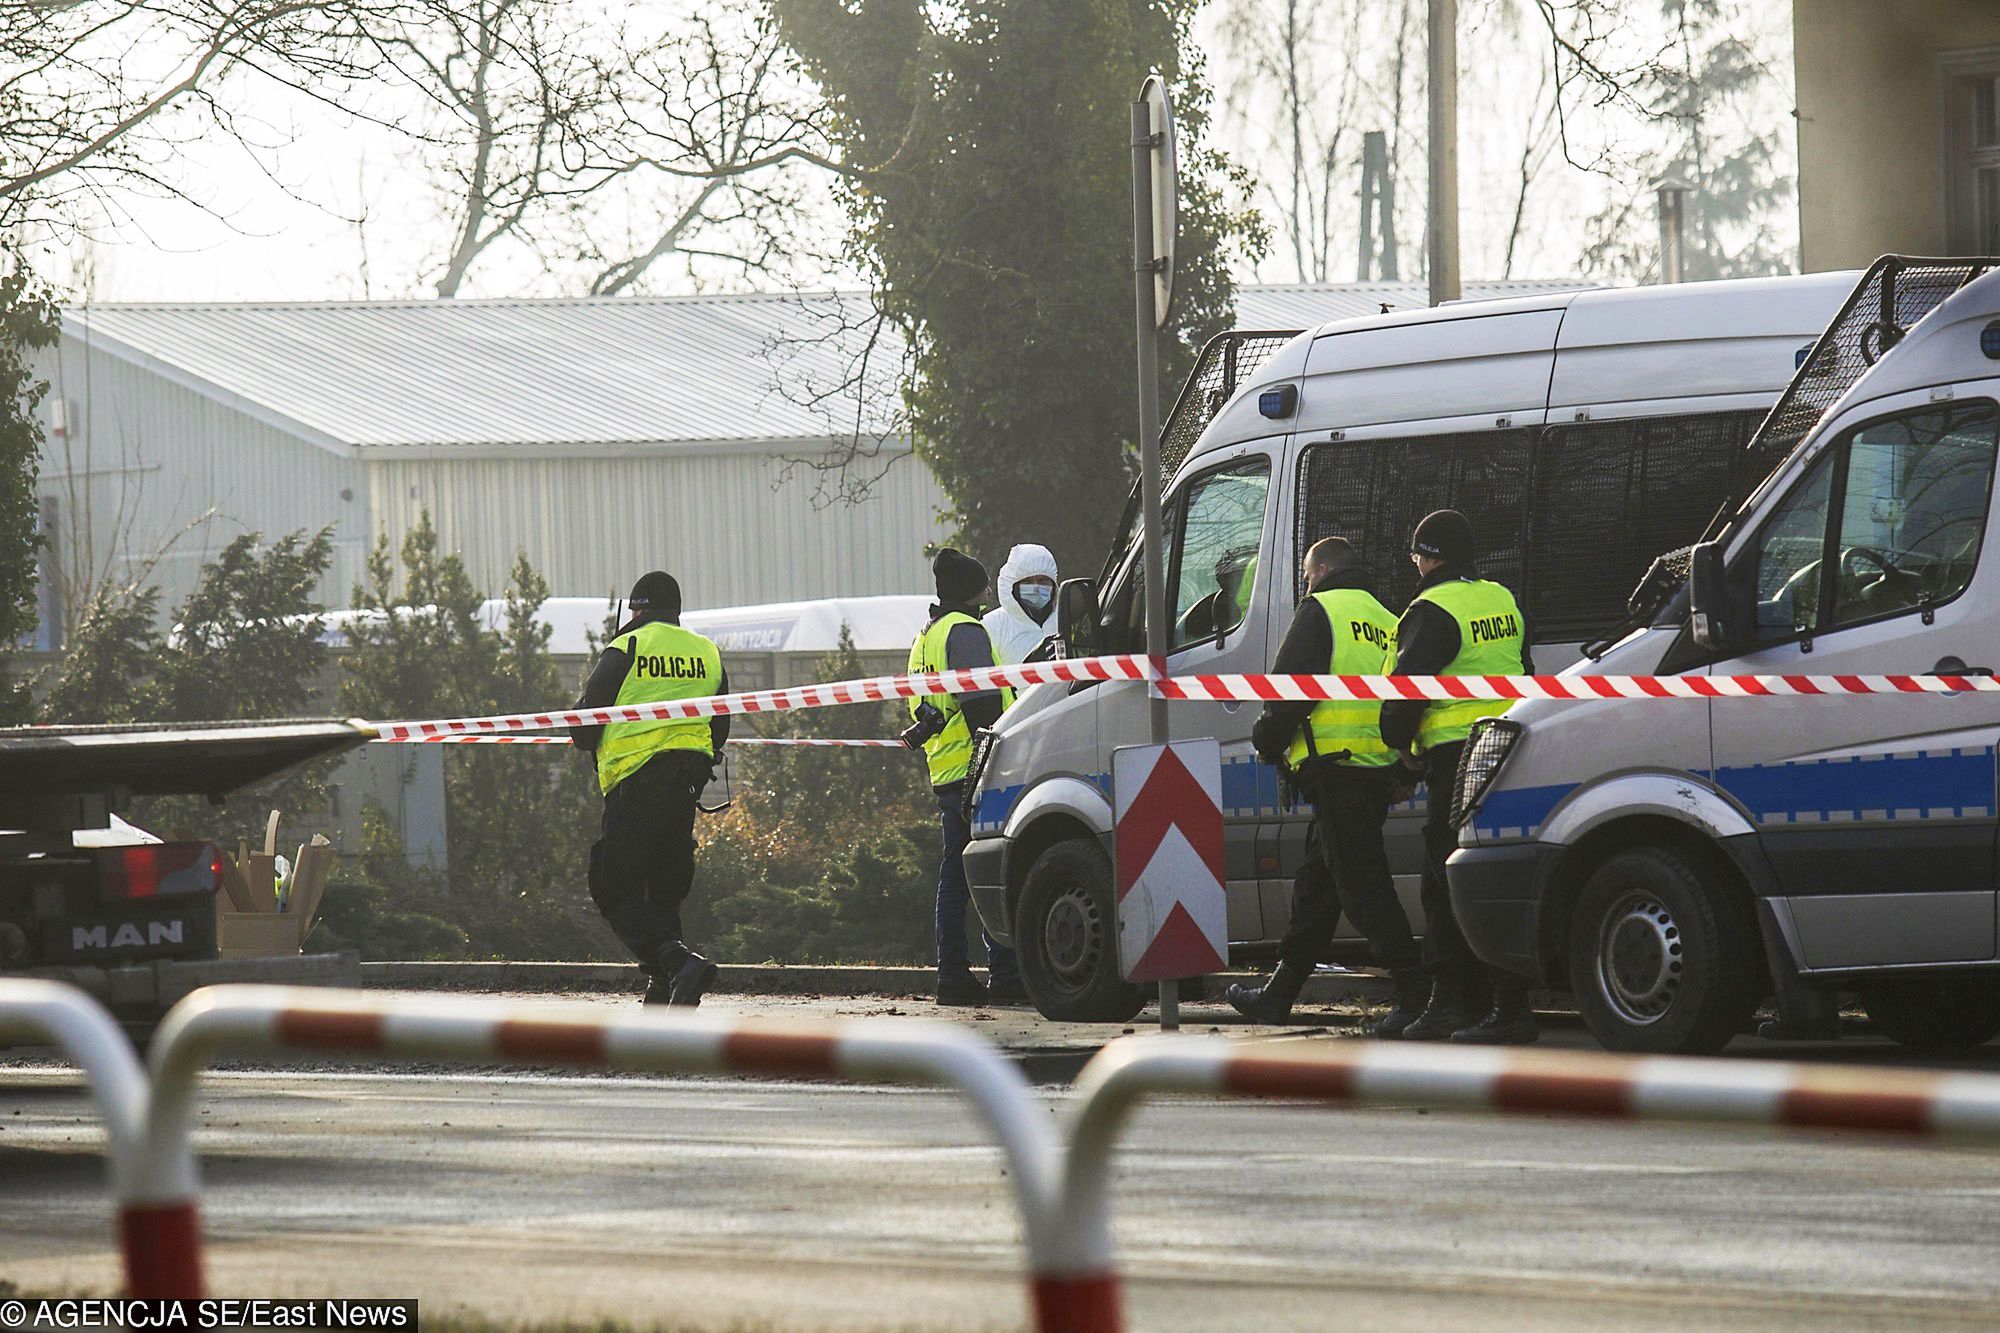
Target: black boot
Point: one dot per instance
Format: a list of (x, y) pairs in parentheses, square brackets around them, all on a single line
[(1271, 1002), (1511, 1021), (961, 992), (1455, 1004), (696, 975), (680, 976), (1413, 995)]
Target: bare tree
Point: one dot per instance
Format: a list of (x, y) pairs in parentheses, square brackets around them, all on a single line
[(1307, 80), (96, 98), (1292, 88), (605, 152)]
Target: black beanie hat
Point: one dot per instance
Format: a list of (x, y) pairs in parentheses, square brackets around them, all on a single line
[(960, 578), (657, 594), (1445, 535)]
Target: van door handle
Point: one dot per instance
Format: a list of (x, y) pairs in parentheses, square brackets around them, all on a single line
[(1953, 665)]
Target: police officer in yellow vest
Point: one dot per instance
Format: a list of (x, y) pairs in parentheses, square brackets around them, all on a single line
[(651, 774), (1457, 625), (944, 726), (1337, 757)]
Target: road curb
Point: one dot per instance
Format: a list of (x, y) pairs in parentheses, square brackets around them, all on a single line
[(758, 979)]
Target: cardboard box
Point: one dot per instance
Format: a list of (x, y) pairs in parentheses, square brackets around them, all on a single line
[(252, 920)]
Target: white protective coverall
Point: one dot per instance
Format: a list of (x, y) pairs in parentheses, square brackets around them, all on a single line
[(1015, 630)]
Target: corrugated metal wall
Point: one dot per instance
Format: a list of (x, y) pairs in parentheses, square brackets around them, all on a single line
[(144, 459), (730, 526)]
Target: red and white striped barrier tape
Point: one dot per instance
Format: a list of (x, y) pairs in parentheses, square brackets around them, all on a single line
[(1365, 688), (1207, 688), (873, 689), (225, 1020), (869, 743), (155, 1227)]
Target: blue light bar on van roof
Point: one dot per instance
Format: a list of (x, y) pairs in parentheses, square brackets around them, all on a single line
[(1799, 357), (1989, 340), (1279, 402)]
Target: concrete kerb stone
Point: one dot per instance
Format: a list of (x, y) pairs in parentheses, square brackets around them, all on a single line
[(763, 979)]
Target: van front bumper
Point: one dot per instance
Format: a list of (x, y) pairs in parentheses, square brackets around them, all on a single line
[(1496, 893), (986, 873)]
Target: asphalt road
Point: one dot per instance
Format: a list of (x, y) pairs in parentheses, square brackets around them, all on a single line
[(708, 1204)]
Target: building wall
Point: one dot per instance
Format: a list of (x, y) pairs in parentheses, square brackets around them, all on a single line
[(143, 462), (1871, 153), (732, 527)]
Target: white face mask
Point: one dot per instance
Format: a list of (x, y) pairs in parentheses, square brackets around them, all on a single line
[(1034, 596)]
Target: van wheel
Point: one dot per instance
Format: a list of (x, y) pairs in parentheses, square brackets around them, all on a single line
[(1066, 929), (1658, 960), (1935, 1013)]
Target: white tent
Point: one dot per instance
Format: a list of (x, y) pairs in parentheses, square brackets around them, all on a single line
[(882, 624)]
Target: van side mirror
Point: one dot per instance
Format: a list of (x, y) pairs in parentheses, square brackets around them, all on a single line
[(1708, 599), (1077, 617)]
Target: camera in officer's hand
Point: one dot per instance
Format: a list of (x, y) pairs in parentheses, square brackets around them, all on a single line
[(930, 721)]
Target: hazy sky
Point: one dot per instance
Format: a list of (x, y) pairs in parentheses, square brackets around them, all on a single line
[(284, 224)]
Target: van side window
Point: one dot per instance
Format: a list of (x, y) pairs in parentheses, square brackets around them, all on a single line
[(1610, 496), (1215, 550), (1373, 492), (1789, 556), (1912, 511), (1889, 520)]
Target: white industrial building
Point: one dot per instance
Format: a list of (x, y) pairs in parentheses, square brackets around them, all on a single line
[(602, 437)]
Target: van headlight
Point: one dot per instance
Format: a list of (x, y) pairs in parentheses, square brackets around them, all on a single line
[(982, 754), (1486, 750)]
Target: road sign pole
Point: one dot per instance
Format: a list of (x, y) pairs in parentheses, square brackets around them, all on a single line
[(1146, 325)]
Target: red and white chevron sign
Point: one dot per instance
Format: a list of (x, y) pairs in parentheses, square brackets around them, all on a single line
[(1172, 915)]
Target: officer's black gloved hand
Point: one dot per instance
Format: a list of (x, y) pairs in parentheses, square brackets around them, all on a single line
[(1268, 740)]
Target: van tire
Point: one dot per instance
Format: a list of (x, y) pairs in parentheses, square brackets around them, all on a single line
[(1935, 1013), (1660, 961), (1066, 933)]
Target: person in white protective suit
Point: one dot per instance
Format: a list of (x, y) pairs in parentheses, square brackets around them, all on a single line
[(1026, 593)]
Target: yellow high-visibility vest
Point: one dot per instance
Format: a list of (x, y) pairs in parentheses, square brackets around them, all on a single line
[(1491, 636), (1364, 642), (668, 663), (949, 753)]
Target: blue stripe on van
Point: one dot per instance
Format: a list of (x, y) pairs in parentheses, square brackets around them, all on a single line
[(1518, 812), (1928, 784)]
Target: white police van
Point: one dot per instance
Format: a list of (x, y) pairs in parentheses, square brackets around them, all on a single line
[(1582, 432), (1674, 863)]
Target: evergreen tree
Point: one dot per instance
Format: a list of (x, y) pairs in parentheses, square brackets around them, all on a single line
[(988, 183), (27, 322)]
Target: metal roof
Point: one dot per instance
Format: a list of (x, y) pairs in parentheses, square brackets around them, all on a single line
[(591, 375)]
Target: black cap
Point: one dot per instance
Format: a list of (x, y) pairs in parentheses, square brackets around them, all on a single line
[(960, 578), (1445, 535), (657, 594)]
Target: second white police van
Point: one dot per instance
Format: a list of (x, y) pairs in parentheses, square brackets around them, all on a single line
[(1674, 863), (1582, 432)]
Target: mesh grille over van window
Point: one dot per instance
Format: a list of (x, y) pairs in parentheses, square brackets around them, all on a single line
[(1228, 360), (1895, 294), (1611, 496), (1607, 498), (1372, 492)]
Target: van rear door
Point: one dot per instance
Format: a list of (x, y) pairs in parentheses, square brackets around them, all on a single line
[(1877, 812)]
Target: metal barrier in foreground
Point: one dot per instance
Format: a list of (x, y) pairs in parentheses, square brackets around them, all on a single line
[(156, 1231), (1569, 1083), (237, 1020)]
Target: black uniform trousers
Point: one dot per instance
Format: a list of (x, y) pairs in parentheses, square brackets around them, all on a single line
[(642, 865), (1447, 956), (1347, 869)]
